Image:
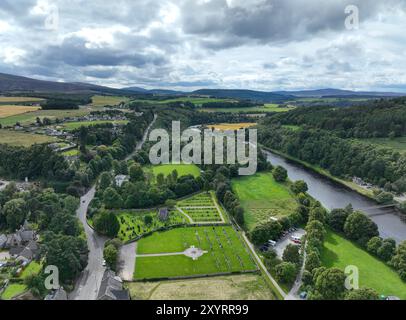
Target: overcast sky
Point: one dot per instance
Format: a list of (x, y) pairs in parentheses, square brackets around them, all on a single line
[(188, 44)]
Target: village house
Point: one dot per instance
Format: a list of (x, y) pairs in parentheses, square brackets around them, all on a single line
[(57, 295), (111, 288)]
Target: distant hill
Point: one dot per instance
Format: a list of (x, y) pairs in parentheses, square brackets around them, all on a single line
[(155, 91), (337, 93), (245, 95), (11, 83)]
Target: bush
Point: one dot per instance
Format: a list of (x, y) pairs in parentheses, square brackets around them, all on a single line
[(280, 174), (362, 294), (110, 254), (299, 187)]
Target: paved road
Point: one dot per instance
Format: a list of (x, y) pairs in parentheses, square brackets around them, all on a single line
[(294, 293), (259, 261), (88, 284)]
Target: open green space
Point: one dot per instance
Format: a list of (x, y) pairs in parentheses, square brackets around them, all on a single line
[(270, 107), (233, 287), (225, 253), (373, 273), (101, 101), (195, 100), (32, 269), (397, 144), (13, 290), (182, 169), (12, 100), (201, 208), (262, 197), (135, 224), (17, 138), (69, 126)]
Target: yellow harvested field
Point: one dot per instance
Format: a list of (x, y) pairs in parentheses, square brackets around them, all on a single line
[(101, 101), (11, 110), (231, 126), (19, 99)]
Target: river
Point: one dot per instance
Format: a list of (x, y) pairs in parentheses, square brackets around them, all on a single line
[(332, 195)]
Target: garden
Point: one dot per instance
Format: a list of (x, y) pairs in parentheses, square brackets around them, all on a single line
[(202, 208)]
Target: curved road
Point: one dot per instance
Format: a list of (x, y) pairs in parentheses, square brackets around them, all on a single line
[(88, 284)]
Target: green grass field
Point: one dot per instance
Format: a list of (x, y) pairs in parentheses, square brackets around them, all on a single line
[(195, 100), (101, 101), (70, 126), (182, 169), (13, 290), (262, 197), (132, 224), (32, 269), (340, 253), (226, 253), (398, 144), (270, 107), (16, 138), (201, 208)]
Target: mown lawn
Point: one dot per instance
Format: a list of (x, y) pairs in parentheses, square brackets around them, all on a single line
[(182, 169), (373, 273), (13, 290), (226, 253), (32, 269), (262, 197)]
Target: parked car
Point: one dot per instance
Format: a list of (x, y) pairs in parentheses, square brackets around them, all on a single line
[(272, 243)]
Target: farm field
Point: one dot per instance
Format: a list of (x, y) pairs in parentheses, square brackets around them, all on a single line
[(182, 169), (231, 126), (266, 108), (398, 144), (235, 287), (30, 117), (12, 110), (101, 101), (225, 253), (373, 273), (15, 138), (133, 225), (13, 290), (201, 208), (5, 100), (262, 197), (69, 126)]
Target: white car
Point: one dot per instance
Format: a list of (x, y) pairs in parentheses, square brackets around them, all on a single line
[(104, 263), (272, 243)]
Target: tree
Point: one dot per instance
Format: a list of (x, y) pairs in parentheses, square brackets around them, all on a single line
[(299, 187), (312, 261), (270, 230), (291, 254), (387, 250), (15, 212), (35, 283), (374, 244), (286, 272), (384, 198), (148, 220), (160, 179), (336, 219), (280, 174), (362, 294), (110, 254), (318, 214), (136, 173), (105, 181), (399, 260), (330, 284), (106, 223), (111, 198), (360, 228)]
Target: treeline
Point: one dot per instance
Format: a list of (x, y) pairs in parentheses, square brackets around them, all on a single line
[(59, 105), (343, 158), (229, 104), (379, 118)]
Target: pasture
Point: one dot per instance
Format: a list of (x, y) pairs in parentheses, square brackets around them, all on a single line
[(373, 273), (224, 252), (262, 198), (16, 138), (182, 169), (102, 101), (202, 207), (235, 287), (12, 100), (12, 110), (134, 224)]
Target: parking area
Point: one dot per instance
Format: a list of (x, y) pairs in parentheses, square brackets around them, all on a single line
[(287, 239)]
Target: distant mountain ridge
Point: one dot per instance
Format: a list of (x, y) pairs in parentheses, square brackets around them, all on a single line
[(12, 83)]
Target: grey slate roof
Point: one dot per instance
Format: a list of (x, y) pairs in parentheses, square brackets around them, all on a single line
[(111, 288)]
